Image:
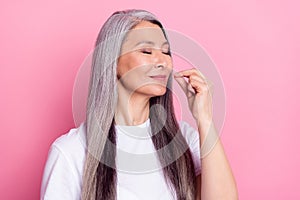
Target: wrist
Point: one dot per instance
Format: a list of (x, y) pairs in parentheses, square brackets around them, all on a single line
[(204, 125)]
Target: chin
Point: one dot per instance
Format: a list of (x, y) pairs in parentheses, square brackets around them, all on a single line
[(152, 90), (157, 91)]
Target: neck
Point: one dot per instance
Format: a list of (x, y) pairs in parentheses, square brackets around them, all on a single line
[(132, 109)]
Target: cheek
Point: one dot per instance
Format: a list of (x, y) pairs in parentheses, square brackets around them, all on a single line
[(134, 77), (134, 72), (130, 63)]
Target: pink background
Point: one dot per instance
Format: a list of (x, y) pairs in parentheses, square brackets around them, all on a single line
[(255, 46)]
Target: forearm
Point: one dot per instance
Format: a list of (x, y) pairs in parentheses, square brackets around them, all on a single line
[(217, 181)]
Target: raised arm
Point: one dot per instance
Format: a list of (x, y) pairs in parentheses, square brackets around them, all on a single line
[(216, 180)]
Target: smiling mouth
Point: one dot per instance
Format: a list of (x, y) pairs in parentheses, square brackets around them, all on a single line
[(159, 77)]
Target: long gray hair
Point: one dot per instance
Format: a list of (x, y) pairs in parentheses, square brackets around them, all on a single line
[(100, 177)]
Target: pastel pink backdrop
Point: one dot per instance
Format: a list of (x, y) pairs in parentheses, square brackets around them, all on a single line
[(255, 46)]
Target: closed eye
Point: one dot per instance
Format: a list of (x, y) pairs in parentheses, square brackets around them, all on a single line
[(146, 51), (149, 51), (167, 53)]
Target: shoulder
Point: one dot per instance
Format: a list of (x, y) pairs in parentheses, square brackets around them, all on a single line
[(72, 146), (72, 137), (67, 152), (71, 141), (64, 166)]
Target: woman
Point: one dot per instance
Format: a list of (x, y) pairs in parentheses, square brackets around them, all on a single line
[(130, 88)]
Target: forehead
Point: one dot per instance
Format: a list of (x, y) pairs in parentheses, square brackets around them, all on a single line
[(144, 31)]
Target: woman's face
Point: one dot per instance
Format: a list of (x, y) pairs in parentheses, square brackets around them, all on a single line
[(145, 63)]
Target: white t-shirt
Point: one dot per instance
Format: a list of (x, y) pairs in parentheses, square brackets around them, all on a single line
[(63, 171)]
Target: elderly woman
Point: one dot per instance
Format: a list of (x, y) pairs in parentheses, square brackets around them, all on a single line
[(130, 93)]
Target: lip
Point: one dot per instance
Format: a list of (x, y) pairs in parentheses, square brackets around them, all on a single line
[(159, 77)]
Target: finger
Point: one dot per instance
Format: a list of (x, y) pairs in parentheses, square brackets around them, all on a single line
[(199, 87), (182, 83), (196, 78), (207, 83), (186, 87), (189, 72)]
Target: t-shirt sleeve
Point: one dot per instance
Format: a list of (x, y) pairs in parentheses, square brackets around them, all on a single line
[(59, 180), (192, 137)]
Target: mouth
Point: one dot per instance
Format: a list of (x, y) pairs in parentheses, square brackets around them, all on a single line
[(159, 77)]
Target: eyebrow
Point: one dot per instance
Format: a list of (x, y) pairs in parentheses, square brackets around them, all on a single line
[(149, 42)]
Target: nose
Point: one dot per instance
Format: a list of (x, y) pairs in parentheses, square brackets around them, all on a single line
[(160, 65), (160, 60)]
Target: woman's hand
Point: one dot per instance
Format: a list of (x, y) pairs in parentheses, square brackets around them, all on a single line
[(199, 95)]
